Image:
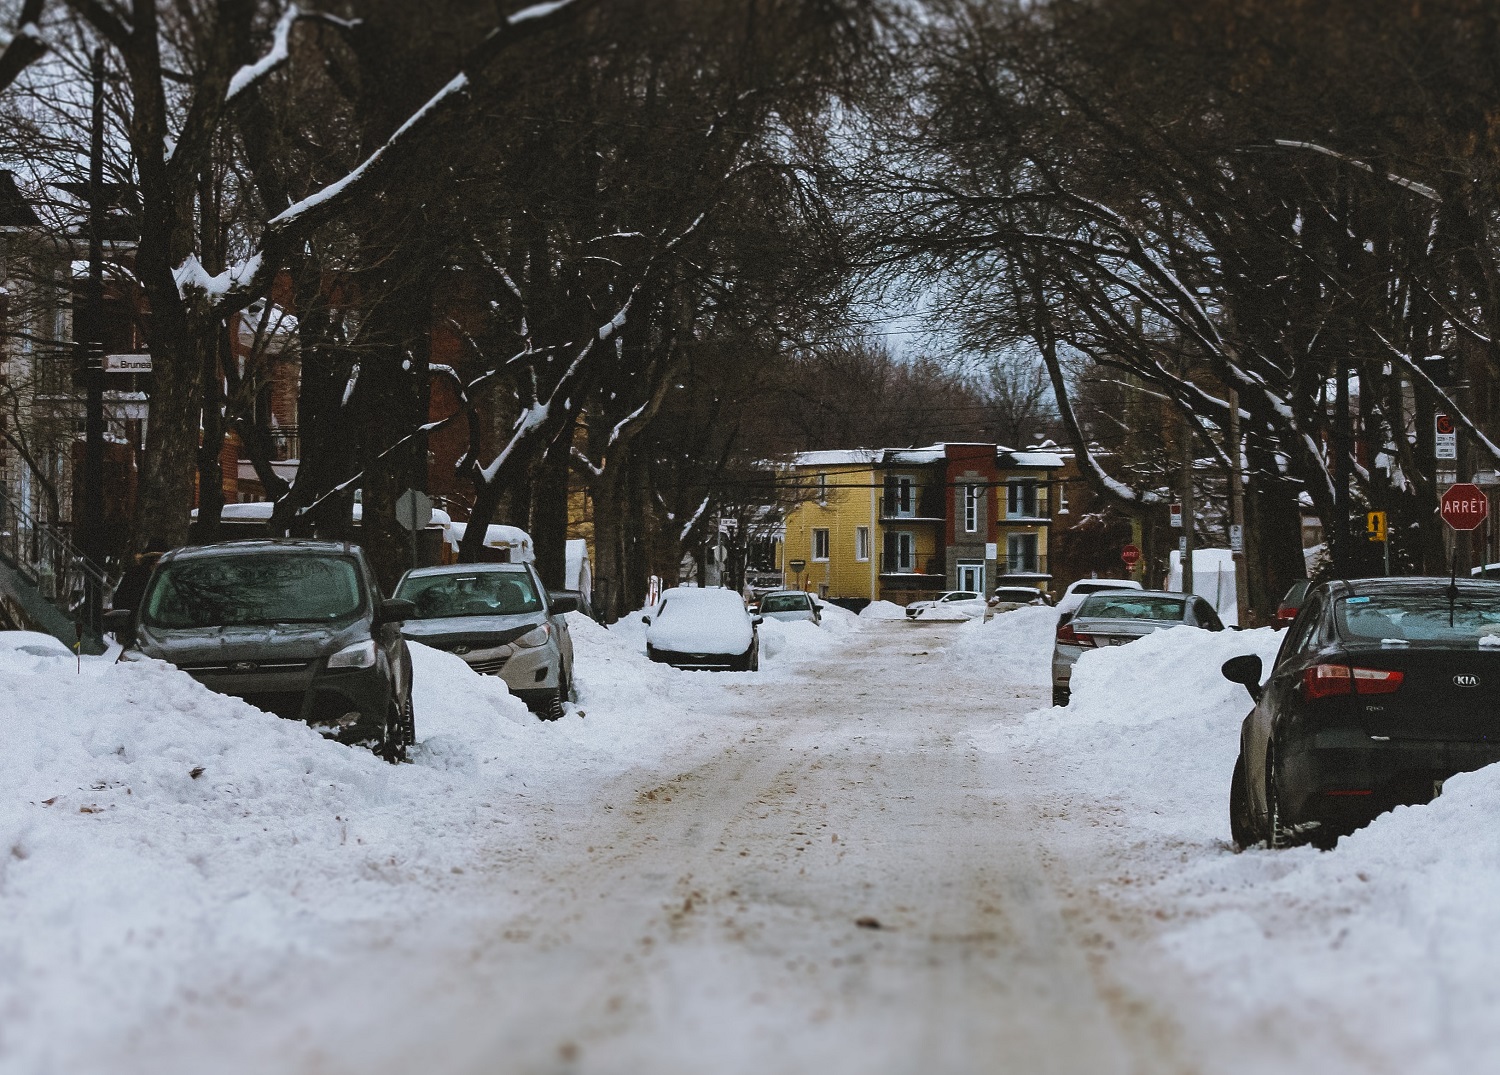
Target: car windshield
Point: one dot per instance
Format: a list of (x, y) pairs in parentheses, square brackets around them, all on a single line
[(784, 602), (471, 593), (227, 591), (1418, 618), (1130, 605)]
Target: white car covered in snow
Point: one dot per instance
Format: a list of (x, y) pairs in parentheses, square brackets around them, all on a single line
[(1073, 596), (703, 628), (953, 605)]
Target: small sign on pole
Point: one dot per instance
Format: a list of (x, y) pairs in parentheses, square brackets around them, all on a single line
[(1131, 555), (127, 363), (1375, 526), (1236, 539), (1445, 442), (1176, 514)]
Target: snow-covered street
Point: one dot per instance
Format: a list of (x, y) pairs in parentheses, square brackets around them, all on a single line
[(881, 854)]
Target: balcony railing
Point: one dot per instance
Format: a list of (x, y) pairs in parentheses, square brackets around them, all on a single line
[(894, 565), (1023, 565), (923, 505)]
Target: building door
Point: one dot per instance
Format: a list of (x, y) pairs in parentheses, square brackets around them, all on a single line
[(971, 577)]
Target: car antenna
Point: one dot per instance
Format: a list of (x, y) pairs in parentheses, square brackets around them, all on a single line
[(1452, 582)]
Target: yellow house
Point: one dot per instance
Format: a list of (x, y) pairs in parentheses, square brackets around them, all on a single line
[(905, 524)]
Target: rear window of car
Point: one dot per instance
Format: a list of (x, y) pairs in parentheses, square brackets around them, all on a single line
[(1418, 618), (228, 591), (1017, 595), (1128, 605), (1098, 587), (786, 602), (474, 593)]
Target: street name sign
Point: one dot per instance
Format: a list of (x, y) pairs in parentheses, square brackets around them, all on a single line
[(1464, 506), (127, 363)]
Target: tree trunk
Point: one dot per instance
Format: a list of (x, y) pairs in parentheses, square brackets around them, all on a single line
[(549, 512), (609, 567)]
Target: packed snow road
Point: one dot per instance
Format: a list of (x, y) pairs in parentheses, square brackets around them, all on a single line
[(847, 884)]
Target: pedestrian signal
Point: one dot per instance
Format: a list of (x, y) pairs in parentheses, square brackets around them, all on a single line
[(1375, 526)]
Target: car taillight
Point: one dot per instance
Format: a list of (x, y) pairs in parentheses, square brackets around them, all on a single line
[(1286, 614), (1067, 635), (1328, 680)]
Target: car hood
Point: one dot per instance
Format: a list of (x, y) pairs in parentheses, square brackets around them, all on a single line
[(445, 632), (259, 642)]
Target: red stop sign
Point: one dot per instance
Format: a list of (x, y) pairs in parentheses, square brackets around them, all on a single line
[(1464, 506), (1131, 555)]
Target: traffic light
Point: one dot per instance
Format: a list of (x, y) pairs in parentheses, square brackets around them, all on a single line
[(1375, 526)]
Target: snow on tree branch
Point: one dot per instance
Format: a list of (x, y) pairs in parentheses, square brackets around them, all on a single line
[(1412, 185), (252, 73)]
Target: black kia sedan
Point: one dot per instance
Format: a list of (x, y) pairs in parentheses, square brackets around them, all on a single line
[(1382, 689)]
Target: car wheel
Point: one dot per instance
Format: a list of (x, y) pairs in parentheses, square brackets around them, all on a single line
[(409, 722), (555, 708), (1061, 696), (1241, 828), (393, 735), (753, 665)]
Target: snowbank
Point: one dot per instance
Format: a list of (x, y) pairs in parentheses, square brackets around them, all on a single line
[(1388, 942), (882, 610), (1017, 643)]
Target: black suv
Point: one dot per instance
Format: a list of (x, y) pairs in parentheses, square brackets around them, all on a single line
[(296, 628)]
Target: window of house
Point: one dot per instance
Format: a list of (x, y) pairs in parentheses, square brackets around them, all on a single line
[(1020, 500), (971, 508), (900, 495), (822, 488), (1021, 553), (820, 544), (1062, 498), (862, 543), (900, 555)]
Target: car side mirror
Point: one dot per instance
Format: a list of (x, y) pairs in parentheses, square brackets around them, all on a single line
[(120, 622), (1246, 671), (758, 620), (562, 602), (646, 620), (394, 610)]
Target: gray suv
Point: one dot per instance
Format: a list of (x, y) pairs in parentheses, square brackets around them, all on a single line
[(502, 621), (296, 628)]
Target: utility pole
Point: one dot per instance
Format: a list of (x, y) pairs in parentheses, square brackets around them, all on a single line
[(1188, 508), (1237, 513), (1339, 533), (92, 342)]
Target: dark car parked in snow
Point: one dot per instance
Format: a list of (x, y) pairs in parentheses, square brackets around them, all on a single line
[(296, 628), (1382, 689)]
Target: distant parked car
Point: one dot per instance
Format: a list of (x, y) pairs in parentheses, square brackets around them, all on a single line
[(1115, 617), (502, 621), (1073, 596), (296, 628), (1010, 598), (789, 605), (1291, 604), (1382, 689), (703, 628), (955, 604)]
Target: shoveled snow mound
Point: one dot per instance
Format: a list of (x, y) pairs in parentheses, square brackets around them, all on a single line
[(1389, 942), (882, 610), (1017, 643)]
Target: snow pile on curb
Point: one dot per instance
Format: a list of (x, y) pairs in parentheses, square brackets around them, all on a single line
[(1014, 645), (882, 610), (1388, 942)]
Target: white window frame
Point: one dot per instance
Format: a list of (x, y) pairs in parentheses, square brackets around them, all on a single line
[(906, 490), (971, 509), (862, 544), (908, 538), (1012, 542), (827, 543), (822, 488), (1015, 500)]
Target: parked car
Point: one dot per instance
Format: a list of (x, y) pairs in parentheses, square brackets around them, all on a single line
[(1291, 604), (1073, 596), (703, 628), (1115, 617), (1381, 690), (296, 628), (953, 605), (1010, 598), (502, 621), (790, 605)]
